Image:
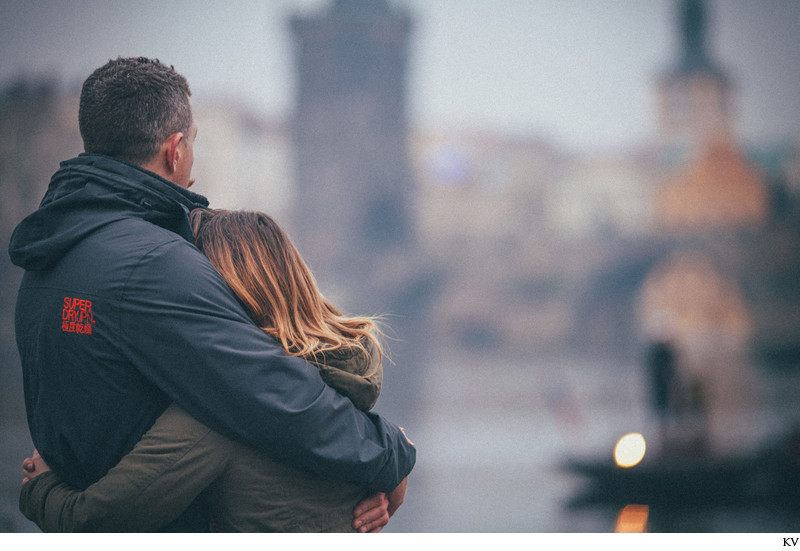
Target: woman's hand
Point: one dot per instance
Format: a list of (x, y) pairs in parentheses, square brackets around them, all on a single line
[(33, 466)]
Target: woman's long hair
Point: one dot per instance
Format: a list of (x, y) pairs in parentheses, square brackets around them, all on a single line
[(266, 272)]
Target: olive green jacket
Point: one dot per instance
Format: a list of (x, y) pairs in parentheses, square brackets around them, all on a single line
[(179, 458)]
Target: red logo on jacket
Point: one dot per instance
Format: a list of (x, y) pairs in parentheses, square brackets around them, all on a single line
[(77, 316)]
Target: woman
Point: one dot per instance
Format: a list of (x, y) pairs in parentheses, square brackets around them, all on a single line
[(180, 458)]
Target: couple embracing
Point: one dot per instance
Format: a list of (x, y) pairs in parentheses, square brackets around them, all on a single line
[(199, 380)]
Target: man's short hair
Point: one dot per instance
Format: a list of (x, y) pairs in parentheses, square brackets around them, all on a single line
[(129, 106)]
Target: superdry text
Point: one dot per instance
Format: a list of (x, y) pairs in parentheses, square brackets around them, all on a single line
[(77, 316)]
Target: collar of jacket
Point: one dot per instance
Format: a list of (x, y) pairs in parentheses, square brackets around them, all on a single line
[(90, 191)]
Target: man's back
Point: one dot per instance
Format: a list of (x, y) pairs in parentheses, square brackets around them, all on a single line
[(86, 404)]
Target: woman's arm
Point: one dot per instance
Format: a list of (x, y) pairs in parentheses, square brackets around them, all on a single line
[(151, 486)]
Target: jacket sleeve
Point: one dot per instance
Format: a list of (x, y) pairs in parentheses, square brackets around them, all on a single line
[(148, 489), (183, 328)]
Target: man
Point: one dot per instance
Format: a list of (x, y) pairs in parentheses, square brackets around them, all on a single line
[(118, 314)]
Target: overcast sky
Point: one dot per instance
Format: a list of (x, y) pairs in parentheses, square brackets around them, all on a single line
[(579, 72)]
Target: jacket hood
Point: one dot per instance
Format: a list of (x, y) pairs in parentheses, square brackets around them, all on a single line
[(354, 372), (90, 191)]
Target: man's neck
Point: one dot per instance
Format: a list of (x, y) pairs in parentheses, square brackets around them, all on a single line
[(156, 168)]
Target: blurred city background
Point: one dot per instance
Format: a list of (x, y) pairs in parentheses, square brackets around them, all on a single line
[(580, 220)]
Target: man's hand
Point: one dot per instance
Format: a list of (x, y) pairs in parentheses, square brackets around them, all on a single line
[(33, 466), (373, 513)]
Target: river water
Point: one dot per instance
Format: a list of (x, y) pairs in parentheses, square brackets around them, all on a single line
[(492, 436), (492, 433)]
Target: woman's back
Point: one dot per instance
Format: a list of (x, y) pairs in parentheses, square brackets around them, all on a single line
[(258, 494)]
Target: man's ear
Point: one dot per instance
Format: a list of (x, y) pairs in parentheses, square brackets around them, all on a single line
[(172, 151)]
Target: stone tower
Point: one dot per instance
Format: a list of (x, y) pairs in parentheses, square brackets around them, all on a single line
[(353, 181), (354, 189)]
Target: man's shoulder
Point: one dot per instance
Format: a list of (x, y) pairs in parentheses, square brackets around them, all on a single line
[(163, 251), (141, 257), (139, 229), (164, 264), (135, 237)]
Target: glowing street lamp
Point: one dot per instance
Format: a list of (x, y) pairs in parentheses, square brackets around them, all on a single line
[(630, 450)]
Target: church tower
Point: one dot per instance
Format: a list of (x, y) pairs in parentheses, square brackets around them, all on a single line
[(353, 179), (695, 94), (712, 186), (710, 215)]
